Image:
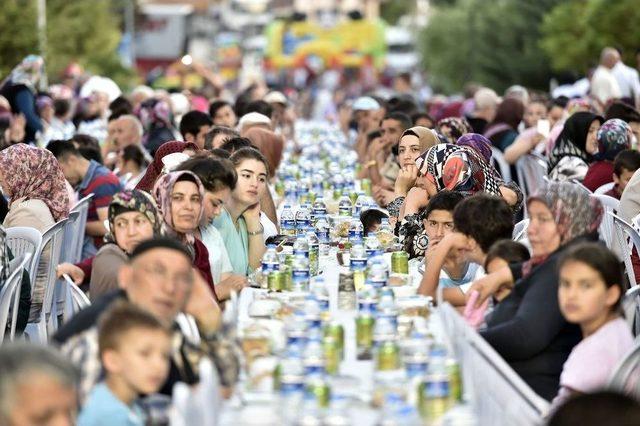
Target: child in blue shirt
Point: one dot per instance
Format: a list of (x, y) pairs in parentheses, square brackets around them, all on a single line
[(134, 348)]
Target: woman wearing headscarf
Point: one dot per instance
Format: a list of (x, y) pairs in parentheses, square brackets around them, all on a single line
[(20, 89), (154, 170), (157, 121), (413, 142), (180, 196), (575, 146), (613, 137), (32, 179), (452, 128), (504, 128), (133, 217), (527, 328)]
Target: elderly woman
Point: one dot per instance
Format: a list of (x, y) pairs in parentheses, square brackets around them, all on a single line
[(614, 136), (133, 217), (527, 328), (180, 196)]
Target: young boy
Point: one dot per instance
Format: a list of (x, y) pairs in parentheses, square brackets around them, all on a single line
[(501, 254), (479, 221), (134, 348), (624, 166), (371, 220)]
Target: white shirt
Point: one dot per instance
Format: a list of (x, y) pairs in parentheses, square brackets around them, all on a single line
[(628, 81), (604, 85), (218, 256)]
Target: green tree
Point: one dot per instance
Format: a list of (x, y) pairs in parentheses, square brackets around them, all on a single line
[(392, 10), (492, 42), (574, 33), (84, 31)]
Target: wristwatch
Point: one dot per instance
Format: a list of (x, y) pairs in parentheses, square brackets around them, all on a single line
[(258, 232)]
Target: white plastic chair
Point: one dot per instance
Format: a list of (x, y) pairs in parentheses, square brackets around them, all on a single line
[(497, 158), (37, 330), (10, 295), (581, 186), (627, 238), (606, 230), (75, 300), (82, 207), (631, 308), (69, 241), (520, 230), (604, 188), (626, 377), (21, 240), (531, 170)]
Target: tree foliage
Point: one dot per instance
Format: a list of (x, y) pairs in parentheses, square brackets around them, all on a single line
[(392, 10), (574, 32), (492, 42), (87, 32)]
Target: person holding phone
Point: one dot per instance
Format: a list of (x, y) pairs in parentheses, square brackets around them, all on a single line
[(239, 222), (537, 128)]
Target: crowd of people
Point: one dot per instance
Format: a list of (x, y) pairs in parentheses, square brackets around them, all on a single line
[(183, 202)]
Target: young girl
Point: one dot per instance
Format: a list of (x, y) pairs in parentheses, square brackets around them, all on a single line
[(589, 293)]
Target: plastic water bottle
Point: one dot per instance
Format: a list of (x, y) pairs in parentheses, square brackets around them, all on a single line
[(313, 359), (323, 231), (372, 245), (296, 330), (433, 392), (287, 221), (303, 219), (387, 308), (290, 381), (290, 191), (344, 206), (358, 265), (378, 272), (312, 310), (319, 207), (270, 261), (301, 246), (300, 273), (320, 291), (356, 231), (314, 251)]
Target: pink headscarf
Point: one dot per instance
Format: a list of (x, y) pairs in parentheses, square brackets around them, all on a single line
[(32, 173)]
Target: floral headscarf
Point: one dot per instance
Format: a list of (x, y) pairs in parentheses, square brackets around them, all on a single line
[(458, 125), (34, 174), (458, 168), (574, 212), (162, 193), (133, 201), (477, 142), (28, 73), (155, 168), (613, 136), (572, 142)]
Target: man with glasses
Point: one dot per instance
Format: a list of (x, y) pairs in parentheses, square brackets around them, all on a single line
[(159, 278)]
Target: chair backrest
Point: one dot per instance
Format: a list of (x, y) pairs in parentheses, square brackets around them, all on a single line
[(10, 295), (75, 300), (531, 171), (52, 240), (605, 188), (497, 158), (627, 238), (606, 229), (626, 377), (631, 308), (520, 229), (81, 207), (70, 235), (21, 240), (581, 185)]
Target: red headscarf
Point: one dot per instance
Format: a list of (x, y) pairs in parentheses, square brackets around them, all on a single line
[(32, 173), (155, 168)]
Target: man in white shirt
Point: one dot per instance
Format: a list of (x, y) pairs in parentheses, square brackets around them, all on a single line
[(628, 80), (604, 85)]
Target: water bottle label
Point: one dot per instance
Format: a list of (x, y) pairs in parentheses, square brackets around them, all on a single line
[(300, 276), (319, 212), (323, 236), (371, 252), (367, 306), (436, 388), (314, 323), (304, 253), (356, 236), (415, 369), (290, 388), (324, 303), (377, 283), (313, 369), (288, 224), (358, 264), (393, 319), (296, 340)]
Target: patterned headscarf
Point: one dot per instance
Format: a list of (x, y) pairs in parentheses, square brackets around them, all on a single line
[(154, 113), (133, 201), (458, 168), (572, 142), (574, 211), (162, 193), (613, 136), (477, 142), (29, 73), (34, 174), (458, 125), (155, 168)]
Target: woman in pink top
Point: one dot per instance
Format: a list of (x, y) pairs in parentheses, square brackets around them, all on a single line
[(589, 295)]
